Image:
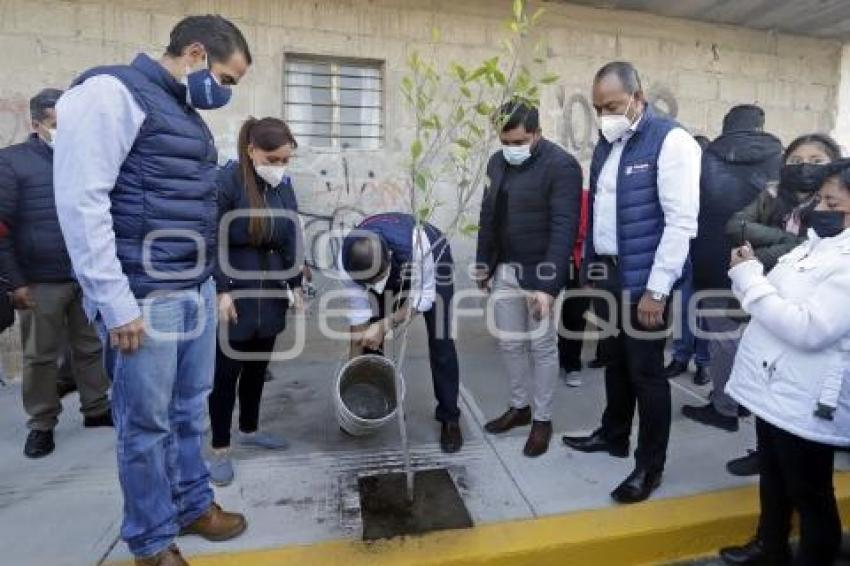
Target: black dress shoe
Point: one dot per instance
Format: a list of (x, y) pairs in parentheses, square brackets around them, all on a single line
[(637, 487), (754, 553), (39, 444), (597, 442), (104, 420), (451, 439), (597, 363), (512, 418), (745, 466), (701, 376), (675, 369), (708, 415)]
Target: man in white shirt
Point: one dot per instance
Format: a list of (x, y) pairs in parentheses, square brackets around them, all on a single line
[(644, 183), (135, 172), (394, 269)]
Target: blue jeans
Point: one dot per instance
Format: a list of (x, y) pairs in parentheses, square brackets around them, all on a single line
[(159, 400), (688, 345)]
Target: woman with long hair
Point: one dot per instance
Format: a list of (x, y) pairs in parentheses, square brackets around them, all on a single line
[(259, 240), (773, 224)]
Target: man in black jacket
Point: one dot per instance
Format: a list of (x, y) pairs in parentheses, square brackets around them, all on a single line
[(530, 215), (34, 259), (736, 167)]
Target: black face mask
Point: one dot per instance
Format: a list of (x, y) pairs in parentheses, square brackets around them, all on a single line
[(826, 223), (802, 177)]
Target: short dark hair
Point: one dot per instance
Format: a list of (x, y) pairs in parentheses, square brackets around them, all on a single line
[(219, 36), (42, 102), (625, 71), (365, 255), (744, 118), (517, 113)]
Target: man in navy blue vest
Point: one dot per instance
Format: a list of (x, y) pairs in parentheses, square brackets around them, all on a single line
[(644, 182), (394, 269), (35, 263), (135, 174)]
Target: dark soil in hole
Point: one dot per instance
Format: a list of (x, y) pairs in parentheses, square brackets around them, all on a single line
[(386, 513)]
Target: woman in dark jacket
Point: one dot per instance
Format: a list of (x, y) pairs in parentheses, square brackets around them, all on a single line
[(772, 223), (256, 276)]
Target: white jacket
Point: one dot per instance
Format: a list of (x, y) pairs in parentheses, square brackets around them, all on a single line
[(797, 344)]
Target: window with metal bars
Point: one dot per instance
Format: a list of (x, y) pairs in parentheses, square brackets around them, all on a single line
[(334, 103)]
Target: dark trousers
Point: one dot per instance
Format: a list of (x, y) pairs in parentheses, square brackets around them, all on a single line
[(600, 309), (573, 310), (246, 377), (634, 380), (796, 474), (442, 353)]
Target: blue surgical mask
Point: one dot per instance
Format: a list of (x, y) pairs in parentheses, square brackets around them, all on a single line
[(204, 92), (826, 223), (516, 154)]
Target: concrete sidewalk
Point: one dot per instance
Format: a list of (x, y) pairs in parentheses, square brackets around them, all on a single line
[(66, 509)]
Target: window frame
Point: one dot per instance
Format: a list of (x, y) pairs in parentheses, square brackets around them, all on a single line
[(336, 123)]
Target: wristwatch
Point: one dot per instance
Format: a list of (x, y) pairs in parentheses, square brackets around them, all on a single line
[(658, 297)]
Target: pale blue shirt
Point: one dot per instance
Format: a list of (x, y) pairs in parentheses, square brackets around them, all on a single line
[(97, 124)]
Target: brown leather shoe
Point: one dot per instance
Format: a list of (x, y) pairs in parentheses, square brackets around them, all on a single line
[(538, 439), (168, 557), (216, 525), (511, 419)]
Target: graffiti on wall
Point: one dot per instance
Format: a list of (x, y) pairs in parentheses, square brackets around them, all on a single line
[(337, 190), (578, 132)]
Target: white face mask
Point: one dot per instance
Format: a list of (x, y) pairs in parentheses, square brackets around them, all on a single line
[(379, 286), (52, 132), (613, 127), (271, 174), (516, 154)]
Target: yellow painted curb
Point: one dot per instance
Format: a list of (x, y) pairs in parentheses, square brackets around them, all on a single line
[(658, 531)]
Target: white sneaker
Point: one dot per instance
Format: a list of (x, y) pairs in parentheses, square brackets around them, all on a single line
[(571, 379), (221, 469)]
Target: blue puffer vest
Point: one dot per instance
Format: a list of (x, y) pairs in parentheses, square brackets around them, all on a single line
[(396, 229), (640, 218), (166, 190)]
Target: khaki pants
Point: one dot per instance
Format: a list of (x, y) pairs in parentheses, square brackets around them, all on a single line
[(529, 346), (59, 316)]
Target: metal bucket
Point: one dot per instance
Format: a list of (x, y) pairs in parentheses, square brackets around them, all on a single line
[(365, 394)]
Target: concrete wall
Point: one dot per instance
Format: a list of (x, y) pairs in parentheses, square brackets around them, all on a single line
[(694, 71), (842, 119)]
